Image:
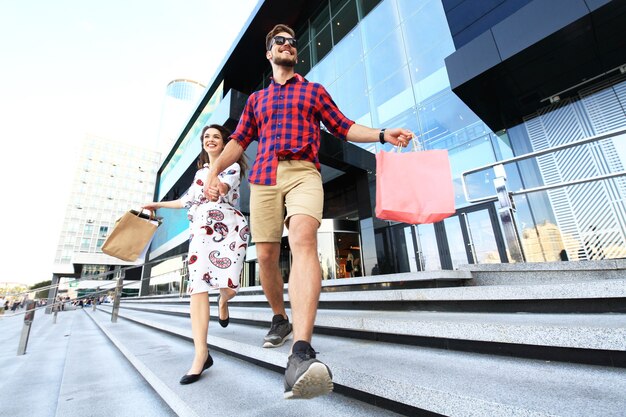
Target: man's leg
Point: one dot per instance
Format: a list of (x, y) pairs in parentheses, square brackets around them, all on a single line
[(268, 254), (305, 279), (305, 376)]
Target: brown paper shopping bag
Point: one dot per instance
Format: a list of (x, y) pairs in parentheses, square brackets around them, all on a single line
[(131, 235), (414, 187)]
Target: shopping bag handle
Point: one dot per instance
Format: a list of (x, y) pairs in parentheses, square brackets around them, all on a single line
[(417, 145), (152, 216)]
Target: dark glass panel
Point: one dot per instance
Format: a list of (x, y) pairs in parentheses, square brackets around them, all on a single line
[(322, 44), (344, 21), (304, 60), (366, 6)]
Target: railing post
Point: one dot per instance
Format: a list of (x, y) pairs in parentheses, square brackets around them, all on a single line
[(96, 298), (507, 215), (52, 293), (184, 272), (55, 309), (29, 316), (118, 294)]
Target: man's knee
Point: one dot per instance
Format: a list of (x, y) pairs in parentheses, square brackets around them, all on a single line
[(303, 233), (268, 254)]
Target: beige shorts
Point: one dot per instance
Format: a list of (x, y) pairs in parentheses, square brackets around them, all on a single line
[(298, 190)]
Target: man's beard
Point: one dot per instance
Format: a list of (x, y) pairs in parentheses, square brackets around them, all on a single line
[(285, 62)]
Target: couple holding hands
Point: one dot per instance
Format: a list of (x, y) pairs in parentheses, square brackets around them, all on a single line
[(285, 189)]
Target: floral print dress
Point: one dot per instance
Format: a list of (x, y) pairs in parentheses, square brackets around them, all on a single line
[(218, 234)]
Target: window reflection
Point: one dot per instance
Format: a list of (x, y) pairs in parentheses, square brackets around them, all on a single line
[(428, 248), (373, 31), (456, 242), (383, 59), (392, 97), (350, 52), (351, 94)]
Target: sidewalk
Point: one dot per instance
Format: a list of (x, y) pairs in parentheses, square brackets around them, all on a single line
[(69, 369)]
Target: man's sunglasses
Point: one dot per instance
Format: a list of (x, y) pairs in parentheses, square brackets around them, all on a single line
[(280, 40)]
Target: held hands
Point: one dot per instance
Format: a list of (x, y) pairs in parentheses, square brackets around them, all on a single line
[(398, 137), (214, 188), (151, 206)]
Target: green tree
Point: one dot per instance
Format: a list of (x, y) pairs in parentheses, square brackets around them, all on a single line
[(42, 293)]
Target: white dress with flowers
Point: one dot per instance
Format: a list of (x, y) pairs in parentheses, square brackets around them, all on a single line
[(218, 234)]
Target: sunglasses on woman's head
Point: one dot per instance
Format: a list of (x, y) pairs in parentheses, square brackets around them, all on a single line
[(280, 40)]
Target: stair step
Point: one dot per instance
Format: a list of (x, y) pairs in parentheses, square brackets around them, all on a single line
[(546, 272), (560, 291), (441, 381), (97, 377), (580, 331), (230, 387)]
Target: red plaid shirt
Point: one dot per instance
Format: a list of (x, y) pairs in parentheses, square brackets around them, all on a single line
[(285, 119)]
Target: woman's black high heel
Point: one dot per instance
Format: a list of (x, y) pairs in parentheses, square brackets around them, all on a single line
[(223, 323), (190, 379)]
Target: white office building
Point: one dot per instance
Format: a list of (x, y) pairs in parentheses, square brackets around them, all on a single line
[(111, 178)]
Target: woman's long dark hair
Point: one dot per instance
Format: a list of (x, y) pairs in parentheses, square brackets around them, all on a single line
[(204, 157)]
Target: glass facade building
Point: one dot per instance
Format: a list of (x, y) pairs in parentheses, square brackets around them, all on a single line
[(111, 178), (386, 64), (181, 97)]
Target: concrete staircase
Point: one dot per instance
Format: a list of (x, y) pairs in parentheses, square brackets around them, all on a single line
[(487, 340)]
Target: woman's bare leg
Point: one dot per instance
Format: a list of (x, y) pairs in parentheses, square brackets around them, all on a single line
[(199, 308)]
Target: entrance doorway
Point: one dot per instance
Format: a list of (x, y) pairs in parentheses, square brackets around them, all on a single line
[(472, 236)]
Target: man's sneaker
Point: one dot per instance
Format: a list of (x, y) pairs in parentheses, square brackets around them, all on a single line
[(306, 377), (280, 330)]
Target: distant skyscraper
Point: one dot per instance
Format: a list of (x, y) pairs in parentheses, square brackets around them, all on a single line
[(111, 178), (181, 98)]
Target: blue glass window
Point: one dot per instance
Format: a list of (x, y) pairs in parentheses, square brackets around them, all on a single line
[(373, 31)]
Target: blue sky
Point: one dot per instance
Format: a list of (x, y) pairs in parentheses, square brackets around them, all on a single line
[(76, 67)]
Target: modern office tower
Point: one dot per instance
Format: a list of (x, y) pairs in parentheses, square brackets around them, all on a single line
[(181, 99), (487, 80), (111, 178)]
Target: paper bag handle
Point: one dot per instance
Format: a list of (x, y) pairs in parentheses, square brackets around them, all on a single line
[(417, 146)]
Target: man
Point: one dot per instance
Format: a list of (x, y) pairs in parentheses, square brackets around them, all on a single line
[(285, 119)]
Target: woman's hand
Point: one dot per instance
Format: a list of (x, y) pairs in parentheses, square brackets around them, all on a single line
[(151, 206), (222, 188), (212, 193)]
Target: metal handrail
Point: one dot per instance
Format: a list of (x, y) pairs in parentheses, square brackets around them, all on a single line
[(95, 277), (535, 154), (111, 285)]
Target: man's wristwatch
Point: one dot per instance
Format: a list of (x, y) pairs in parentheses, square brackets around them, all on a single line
[(381, 136)]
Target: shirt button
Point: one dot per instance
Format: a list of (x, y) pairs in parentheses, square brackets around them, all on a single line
[(280, 97)]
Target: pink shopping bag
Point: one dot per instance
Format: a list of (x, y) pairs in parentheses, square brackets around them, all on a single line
[(414, 187)]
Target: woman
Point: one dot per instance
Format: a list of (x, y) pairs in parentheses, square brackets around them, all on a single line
[(218, 240), (349, 265)]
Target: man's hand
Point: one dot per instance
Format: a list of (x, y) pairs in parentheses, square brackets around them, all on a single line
[(398, 137)]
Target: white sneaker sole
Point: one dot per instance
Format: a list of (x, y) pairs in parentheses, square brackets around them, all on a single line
[(272, 345), (314, 382)]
